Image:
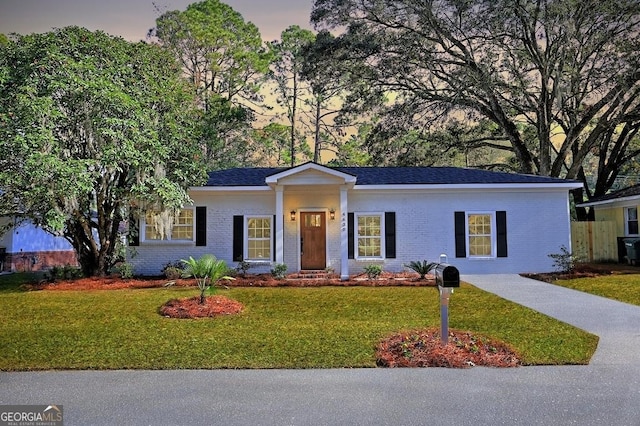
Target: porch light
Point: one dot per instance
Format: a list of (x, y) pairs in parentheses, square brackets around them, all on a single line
[(332, 214), (293, 215)]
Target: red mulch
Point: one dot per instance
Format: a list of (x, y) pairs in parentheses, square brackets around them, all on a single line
[(250, 280), (586, 270), (191, 307), (423, 348), (109, 283)]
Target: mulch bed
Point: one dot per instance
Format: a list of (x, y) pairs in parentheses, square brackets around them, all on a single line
[(250, 280), (214, 306), (423, 348), (586, 270)]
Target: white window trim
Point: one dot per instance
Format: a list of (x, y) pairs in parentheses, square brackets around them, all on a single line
[(143, 232), (626, 220), (494, 238), (356, 236), (245, 243)]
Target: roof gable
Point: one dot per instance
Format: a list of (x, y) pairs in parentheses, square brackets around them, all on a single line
[(310, 173)]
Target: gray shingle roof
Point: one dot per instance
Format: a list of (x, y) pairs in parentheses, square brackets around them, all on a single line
[(632, 191), (386, 176)]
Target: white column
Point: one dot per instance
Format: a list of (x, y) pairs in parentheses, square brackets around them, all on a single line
[(344, 235), (279, 224)]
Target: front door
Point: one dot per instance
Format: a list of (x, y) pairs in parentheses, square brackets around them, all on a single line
[(313, 240)]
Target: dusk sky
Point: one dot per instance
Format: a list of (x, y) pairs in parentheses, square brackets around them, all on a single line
[(131, 19)]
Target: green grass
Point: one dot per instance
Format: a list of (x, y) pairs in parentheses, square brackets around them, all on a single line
[(621, 287), (325, 327)]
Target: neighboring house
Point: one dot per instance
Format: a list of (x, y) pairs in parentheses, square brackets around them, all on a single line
[(313, 217), (25, 247), (620, 207)]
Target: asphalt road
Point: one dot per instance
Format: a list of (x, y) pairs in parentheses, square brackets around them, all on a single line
[(606, 392)]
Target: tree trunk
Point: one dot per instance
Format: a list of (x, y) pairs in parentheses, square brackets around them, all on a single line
[(316, 145)]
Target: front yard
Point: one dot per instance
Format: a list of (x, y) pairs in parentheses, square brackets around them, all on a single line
[(614, 281), (321, 327)]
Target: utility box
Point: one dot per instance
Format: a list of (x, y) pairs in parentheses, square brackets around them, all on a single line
[(632, 246), (449, 276)]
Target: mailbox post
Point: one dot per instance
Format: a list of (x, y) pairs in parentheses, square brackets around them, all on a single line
[(447, 278)]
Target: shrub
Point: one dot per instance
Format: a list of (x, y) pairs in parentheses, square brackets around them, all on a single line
[(207, 269), (66, 272), (373, 271), (125, 270), (564, 261), (422, 268), (243, 267), (173, 270), (279, 271)]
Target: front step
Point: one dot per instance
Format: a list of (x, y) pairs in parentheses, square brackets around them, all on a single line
[(310, 275)]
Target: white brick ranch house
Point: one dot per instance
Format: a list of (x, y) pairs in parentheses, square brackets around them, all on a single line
[(313, 217)]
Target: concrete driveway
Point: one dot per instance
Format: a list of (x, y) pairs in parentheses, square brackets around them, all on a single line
[(605, 392)]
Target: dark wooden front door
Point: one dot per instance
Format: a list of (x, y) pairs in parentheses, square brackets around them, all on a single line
[(313, 240)]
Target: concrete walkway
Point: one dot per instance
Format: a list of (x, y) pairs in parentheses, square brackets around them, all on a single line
[(606, 392), (617, 324)]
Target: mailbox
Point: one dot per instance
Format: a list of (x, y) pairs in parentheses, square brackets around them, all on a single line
[(447, 275)]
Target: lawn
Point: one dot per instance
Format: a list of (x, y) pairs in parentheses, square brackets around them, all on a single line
[(322, 327), (621, 287)]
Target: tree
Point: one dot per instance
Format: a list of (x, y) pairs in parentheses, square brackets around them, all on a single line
[(89, 125), (220, 52), (329, 86), (286, 73), (226, 138), (566, 70), (225, 59), (274, 142)]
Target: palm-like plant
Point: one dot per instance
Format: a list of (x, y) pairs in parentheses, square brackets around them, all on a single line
[(422, 268), (207, 270)]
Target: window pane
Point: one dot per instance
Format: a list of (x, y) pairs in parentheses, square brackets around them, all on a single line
[(259, 238), (369, 236), (259, 249), (632, 220), (480, 246), (480, 235), (312, 220), (183, 226)]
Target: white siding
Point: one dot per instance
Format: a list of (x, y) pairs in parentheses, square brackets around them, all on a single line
[(537, 225)]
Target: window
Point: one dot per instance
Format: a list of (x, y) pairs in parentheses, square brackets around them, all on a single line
[(182, 228), (369, 235), (632, 220), (313, 220), (258, 246), (480, 234)]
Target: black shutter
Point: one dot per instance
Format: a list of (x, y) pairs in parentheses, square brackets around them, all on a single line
[(390, 235), (201, 226), (350, 236), (273, 236), (461, 237), (238, 238), (501, 233), (133, 237)]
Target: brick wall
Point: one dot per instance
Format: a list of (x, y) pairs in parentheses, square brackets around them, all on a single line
[(38, 261)]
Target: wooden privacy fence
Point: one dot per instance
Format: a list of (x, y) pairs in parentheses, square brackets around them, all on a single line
[(594, 241)]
